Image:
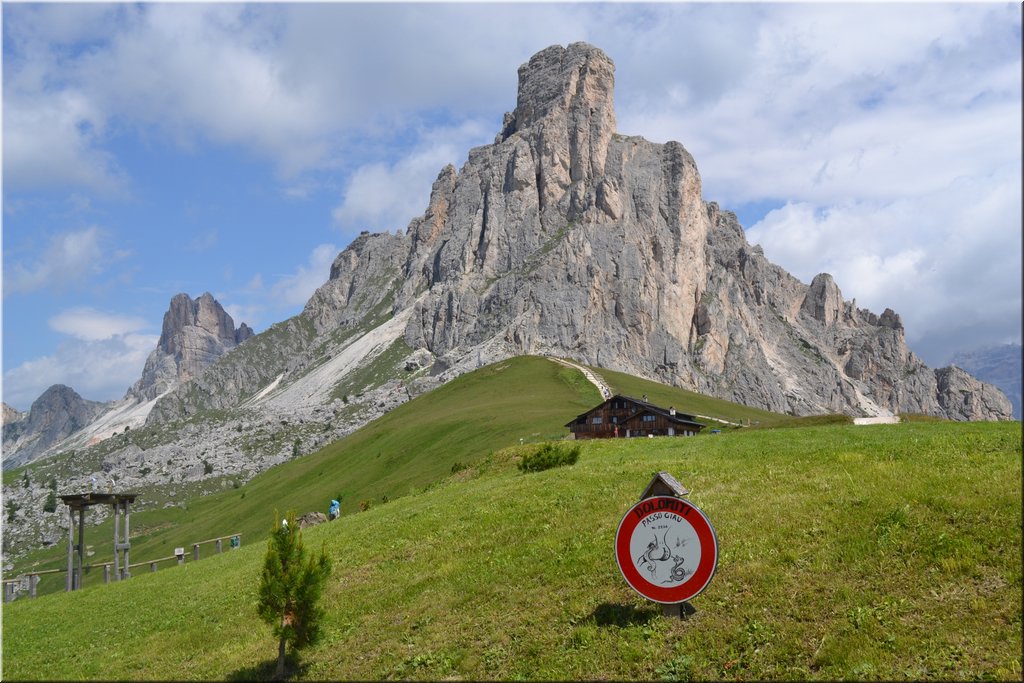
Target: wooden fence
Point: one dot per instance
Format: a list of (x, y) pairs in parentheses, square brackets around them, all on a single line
[(235, 541)]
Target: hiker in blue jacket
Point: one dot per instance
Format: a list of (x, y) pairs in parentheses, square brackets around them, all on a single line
[(334, 511)]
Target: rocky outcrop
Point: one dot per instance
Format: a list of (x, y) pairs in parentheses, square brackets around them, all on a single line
[(195, 333), (564, 237), (11, 415), (567, 238), (999, 366), (57, 414)]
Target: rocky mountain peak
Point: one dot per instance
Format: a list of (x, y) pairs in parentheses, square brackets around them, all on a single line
[(55, 415), (195, 333), (11, 414), (204, 313), (566, 116), (565, 237), (824, 301), (574, 82)]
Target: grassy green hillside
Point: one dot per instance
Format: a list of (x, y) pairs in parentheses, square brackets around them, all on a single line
[(521, 400), (887, 552), (413, 446)]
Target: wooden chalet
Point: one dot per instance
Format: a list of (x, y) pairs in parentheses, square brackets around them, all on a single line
[(626, 417)]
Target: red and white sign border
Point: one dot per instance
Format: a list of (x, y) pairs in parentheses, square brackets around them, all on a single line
[(701, 576)]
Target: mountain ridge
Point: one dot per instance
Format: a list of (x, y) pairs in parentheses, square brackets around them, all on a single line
[(563, 237), (567, 238)]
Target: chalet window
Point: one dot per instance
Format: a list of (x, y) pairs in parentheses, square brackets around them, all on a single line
[(648, 418), (581, 421), (597, 420), (615, 420)]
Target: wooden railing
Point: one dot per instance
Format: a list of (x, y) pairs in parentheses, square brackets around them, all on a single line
[(235, 541)]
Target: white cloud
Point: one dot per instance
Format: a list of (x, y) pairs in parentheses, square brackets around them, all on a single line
[(301, 85), (890, 135), (385, 197), (70, 258), (890, 130), (203, 242), (56, 140), (948, 262), (99, 370), (295, 289), (88, 324), (841, 103)]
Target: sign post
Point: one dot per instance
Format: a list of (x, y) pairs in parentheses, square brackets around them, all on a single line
[(667, 550)]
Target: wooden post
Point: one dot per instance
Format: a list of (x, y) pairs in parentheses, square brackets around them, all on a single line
[(71, 545), (117, 569), (127, 540), (8, 591), (81, 548), (218, 546), (152, 566), (180, 554), (106, 571), (33, 581), (195, 551)]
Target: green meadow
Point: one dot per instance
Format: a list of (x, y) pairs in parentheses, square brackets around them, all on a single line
[(413, 447), (881, 552)]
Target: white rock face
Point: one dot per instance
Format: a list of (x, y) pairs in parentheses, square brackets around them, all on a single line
[(564, 237), (196, 332)]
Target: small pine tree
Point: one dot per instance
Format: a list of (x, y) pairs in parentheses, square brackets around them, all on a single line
[(290, 589), (51, 502)]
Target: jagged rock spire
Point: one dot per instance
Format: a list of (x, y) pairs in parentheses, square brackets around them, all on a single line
[(195, 333)]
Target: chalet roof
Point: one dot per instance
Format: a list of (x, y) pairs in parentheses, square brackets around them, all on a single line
[(642, 407)]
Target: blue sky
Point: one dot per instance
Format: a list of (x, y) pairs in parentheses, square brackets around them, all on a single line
[(151, 149)]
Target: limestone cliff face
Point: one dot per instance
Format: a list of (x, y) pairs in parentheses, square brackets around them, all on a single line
[(195, 333), (11, 415), (55, 415), (567, 238)]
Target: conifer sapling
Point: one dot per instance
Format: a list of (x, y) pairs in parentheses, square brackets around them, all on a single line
[(290, 589)]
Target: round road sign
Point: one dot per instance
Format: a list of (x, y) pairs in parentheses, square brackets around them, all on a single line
[(666, 549)]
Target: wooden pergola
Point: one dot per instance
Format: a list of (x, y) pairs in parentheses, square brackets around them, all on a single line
[(79, 502)]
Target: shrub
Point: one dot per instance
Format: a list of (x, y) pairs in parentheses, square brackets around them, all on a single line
[(548, 456), (51, 502), (364, 505), (207, 468)]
